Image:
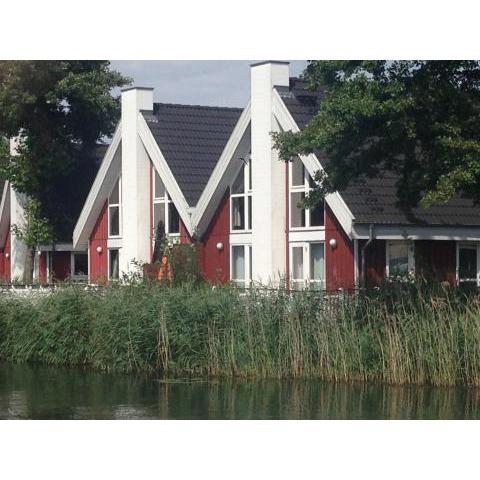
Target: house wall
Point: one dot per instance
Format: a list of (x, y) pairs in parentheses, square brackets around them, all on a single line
[(436, 260), (42, 268), (375, 260), (6, 259), (216, 263), (339, 261), (99, 261)]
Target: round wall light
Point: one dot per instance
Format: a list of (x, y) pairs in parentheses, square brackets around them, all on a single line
[(220, 246), (39, 252), (99, 249), (7, 255), (333, 243)]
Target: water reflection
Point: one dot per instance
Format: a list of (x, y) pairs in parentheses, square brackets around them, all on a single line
[(40, 392)]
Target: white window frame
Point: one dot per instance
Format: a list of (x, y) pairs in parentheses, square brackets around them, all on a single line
[(108, 264), (247, 193), (411, 255), (166, 200), (472, 246), (306, 264), (247, 255), (306, 189), (72, 266), (119, 205)]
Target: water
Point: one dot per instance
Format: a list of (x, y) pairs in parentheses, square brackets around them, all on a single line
[(40, 392)]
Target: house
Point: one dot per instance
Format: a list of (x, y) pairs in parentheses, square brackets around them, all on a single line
[(52, 263), (210, 175)]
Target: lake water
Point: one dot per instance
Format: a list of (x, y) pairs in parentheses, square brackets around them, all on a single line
[(39, 392)]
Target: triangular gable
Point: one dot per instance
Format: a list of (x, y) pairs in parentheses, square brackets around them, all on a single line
[(312, 164), (237, 147), (106, 177), (4, 214)]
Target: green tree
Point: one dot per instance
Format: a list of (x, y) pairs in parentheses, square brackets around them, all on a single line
[(418, 119), (59, 110)]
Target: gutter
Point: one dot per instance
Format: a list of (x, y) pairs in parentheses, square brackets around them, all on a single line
[(371, 236)]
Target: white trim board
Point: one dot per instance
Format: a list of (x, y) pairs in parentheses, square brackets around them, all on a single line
[(238, 145), (160, 164), (103, 183), (334, 200)]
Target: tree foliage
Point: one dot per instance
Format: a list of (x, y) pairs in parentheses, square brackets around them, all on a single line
[(59, 110), (418, 119)]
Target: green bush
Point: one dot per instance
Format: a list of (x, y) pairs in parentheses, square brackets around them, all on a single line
[(407, 335)]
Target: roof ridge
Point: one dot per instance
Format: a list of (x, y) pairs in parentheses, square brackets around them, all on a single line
[(210, 107)]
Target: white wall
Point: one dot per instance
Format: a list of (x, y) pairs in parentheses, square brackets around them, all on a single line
[(268, 176), (135, 182)]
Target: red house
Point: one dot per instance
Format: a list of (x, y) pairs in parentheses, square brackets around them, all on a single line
[(211, 175)]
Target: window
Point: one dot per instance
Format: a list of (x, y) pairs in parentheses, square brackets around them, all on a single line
[(241, 200), (400, 260), (113, 267), (307, 265), (166, 219), (468, 264), (114, 201), (241, 265), (80, 265), (301, 183)]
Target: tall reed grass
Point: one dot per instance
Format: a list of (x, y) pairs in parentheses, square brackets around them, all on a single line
[(398, 337)]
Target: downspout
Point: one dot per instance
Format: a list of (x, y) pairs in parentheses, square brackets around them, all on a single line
[(364, 248)]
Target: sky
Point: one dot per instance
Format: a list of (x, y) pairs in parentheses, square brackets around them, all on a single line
[(224, 83)]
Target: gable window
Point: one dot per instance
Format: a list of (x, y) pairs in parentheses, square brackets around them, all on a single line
[(241, 200), (400, 258), (241, 265), (113, 264), (301, 183), (307, 265), (114, 201), (165, 215), (469, 264)]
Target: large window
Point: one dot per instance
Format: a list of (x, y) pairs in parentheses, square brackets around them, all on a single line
[(114, 202), (166, 219), (400, 258), (241, 200), (307, 265), (113, 264), (301, 183), (241, 265), (468, 264)]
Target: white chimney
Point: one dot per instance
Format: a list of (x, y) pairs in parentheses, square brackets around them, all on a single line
[(135, 189), (268, 175)]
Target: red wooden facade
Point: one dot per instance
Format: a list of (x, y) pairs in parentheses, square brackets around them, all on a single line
[(215, 262), (42, 267), (60, 265), (375, 261), (436, 260), (339, 261), (5, 258), (99, 237)]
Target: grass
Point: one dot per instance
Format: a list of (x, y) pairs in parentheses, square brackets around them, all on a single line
[(401, 335)]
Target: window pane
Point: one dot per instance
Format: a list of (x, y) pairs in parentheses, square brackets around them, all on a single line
[(298, 213), (173, 219), (238, 213), (317, 261), (239, 184), (249, 212), (317, 216), (115, 195), (398, 258), (467, 263), (238, 262), (297, 263), (298, 173), (80, 264), (159, 187), (114, 271), (158, 219), (114, 221)]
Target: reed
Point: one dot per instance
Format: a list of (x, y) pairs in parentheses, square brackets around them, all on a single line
[(398, 335)]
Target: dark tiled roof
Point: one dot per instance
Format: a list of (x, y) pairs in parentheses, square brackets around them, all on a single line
[(191, 138), (374, 200)]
